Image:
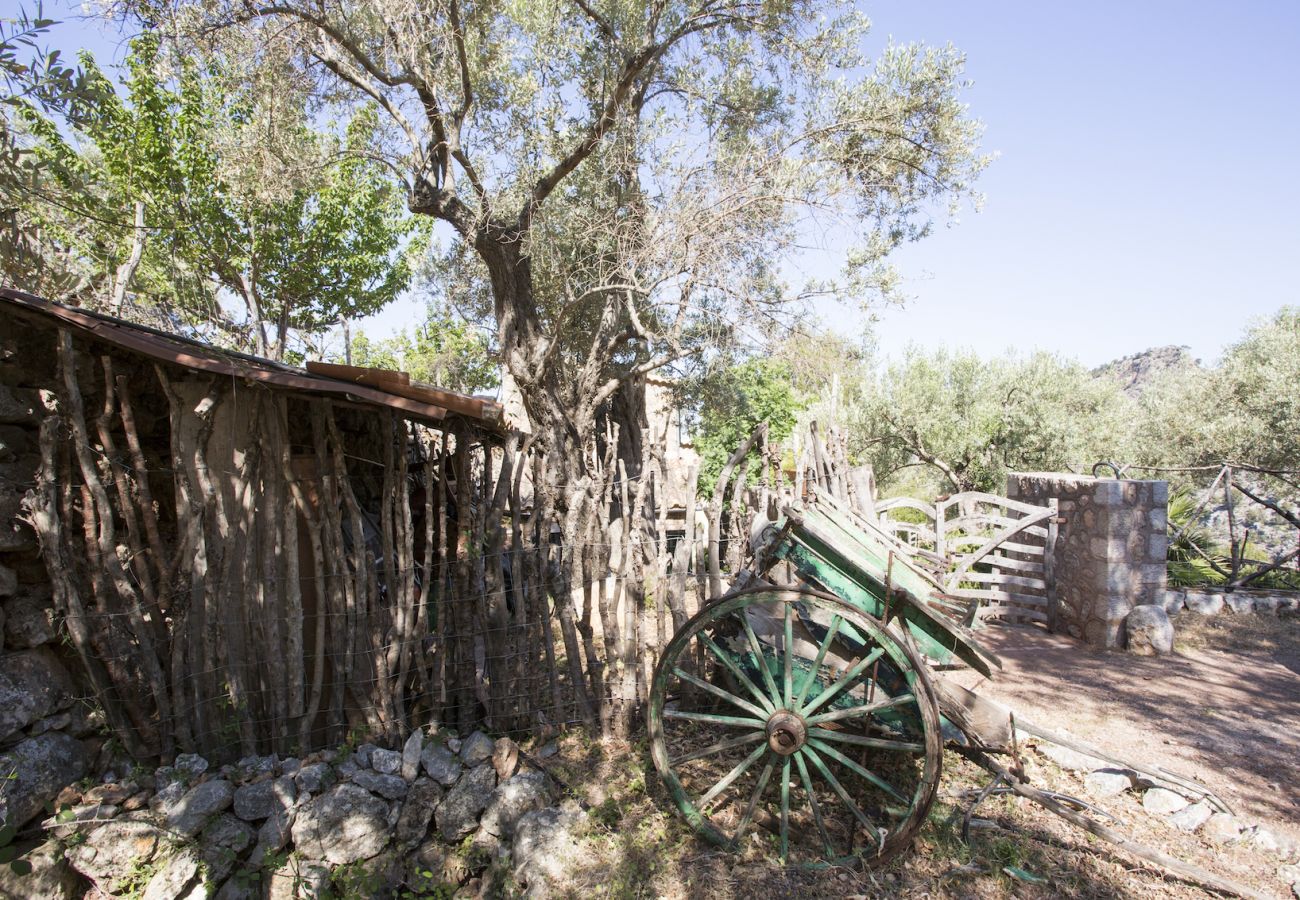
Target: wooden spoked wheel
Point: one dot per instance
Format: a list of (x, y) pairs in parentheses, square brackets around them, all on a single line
[(794, 719)]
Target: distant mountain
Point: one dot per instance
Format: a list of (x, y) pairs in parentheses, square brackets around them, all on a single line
[(1135, 372)]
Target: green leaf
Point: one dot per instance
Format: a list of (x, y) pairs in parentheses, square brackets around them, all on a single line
[(20, 867), (8, 854)]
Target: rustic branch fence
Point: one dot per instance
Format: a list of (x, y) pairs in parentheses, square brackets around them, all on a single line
[(244, 569)]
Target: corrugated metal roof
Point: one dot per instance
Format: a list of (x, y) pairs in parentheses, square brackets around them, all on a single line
[(201, 357)]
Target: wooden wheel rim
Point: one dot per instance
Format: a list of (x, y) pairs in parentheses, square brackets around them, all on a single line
[(813, 752)]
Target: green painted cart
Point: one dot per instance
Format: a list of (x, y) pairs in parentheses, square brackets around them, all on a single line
[(800, 708)]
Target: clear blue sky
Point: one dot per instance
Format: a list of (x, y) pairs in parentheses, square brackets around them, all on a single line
[(1146, 188), (1145, 191)]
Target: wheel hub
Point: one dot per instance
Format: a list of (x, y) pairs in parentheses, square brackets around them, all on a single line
[(786, 732)]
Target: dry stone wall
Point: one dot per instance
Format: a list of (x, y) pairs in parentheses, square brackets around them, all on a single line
[(48, 737), (1110, 552)]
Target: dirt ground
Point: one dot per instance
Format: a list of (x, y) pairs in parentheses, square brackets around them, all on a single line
[(1225, 709)]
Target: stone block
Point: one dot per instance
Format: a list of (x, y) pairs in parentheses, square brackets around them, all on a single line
[(1157, 548), (1108, 493), (1239, 603), (1160, 494), (1158, 519), (1204, 602), (1173, 602), (19, 406)]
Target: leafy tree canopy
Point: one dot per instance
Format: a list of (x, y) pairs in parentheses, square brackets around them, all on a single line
[(970, 421), (735, 400), (188, 185), (444, 351), (622, 181)]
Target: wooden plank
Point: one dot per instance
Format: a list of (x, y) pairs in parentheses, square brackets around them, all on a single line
[(1018, 565), (384, 379), (998, 596), (1000, 578), (1013, 612), (991, 499)]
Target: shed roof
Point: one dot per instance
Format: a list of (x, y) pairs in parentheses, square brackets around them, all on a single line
[(371, 387)]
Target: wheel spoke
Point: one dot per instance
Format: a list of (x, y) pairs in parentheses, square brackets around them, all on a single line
[(729, 744), (763, 778), (816, 807), (817, 663), (851, 675), (877, 743), (730, 663), (785, 810), (865, 710), (734, 721), (787, 686), (864, 773), (731, 776), (763, 670), (842, 793), (719, 692)]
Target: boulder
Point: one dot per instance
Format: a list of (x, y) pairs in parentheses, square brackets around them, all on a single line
[(189, 766), (512, 800), (314, 778), (113, 855), (1191, 818), (544, 844), (176, 878), (1150, 633), (386, 762), (199, 805), (273, 835), (51, 877), (167, 797), (344, 824), (1173, 601), (363, 755), (29, 620), (220, 846), (8, 581), (1239, 603), (417, 812), (440, 764), (1222, 829), (15, 534), (459, 811), (262, 799), (1162, 801), (1204, 603), (253, 767), (37, 769), (1070, 760), (505, 758), (1108, 782), (476, 748), (390, 786), (33, 685), (19, 406), (411, 755)]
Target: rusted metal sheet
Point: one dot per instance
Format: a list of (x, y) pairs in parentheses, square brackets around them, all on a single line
[(200, 357)]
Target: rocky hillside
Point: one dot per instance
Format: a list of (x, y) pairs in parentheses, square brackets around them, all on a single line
[(1137, 371)]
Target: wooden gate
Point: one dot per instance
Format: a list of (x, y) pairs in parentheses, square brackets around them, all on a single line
[(989, 553)]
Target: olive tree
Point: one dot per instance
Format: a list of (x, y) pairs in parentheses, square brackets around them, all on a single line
[(623, 181), (969, 420)]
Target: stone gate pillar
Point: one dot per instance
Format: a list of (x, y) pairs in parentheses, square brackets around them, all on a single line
[(1110, 549)]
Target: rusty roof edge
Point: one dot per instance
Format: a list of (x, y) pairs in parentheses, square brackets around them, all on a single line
[(154, 343)]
